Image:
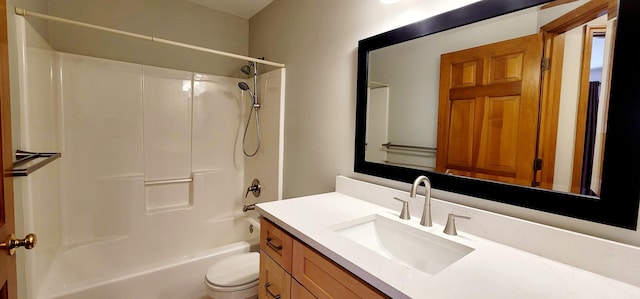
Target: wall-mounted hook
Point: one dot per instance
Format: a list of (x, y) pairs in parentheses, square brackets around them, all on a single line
[(254, 188)]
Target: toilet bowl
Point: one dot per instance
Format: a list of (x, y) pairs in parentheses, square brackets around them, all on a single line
[(234, 277)]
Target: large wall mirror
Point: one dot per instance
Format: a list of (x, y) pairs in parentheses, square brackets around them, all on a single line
[(530, 103)]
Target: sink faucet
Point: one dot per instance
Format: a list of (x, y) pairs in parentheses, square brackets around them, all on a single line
[(426, 212)]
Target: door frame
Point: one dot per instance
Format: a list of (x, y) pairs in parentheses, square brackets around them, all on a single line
[(583, 100), (550, 93)]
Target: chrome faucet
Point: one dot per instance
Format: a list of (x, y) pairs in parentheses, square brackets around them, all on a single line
[(250, 207), (426, 212)]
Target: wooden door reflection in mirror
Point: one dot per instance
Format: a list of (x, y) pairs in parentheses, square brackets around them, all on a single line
[(533, 139), (488, 110)]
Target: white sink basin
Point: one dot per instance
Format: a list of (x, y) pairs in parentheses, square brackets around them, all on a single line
[(402, 243)]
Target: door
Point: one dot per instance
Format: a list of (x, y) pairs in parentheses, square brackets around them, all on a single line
[(587, 115), (8, 280), (488, 110)]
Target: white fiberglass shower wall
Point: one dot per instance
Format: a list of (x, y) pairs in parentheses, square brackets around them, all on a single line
[(152, 168)]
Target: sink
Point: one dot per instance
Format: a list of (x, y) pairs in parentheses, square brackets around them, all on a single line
[(402, 243)]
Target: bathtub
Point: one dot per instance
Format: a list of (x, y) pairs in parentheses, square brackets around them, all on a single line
[(104, 270)]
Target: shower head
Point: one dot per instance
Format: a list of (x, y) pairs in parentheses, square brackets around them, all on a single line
[(246, 69), (245, 87)]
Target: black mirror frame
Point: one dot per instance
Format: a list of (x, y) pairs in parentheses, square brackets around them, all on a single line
[(620, 191)]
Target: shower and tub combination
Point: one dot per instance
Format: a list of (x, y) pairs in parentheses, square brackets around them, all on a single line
[(150, 189)]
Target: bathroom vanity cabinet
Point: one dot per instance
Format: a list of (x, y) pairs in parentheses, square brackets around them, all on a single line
[(291, 269), (364, 244)]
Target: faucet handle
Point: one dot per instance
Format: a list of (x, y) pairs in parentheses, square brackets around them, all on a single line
[(254, 188), (404, 214), (450, 228)]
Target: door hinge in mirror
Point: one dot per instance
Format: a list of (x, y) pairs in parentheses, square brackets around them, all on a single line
[(545, 64), (537, 164)]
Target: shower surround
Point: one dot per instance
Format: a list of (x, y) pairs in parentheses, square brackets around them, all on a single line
[(152, 169)]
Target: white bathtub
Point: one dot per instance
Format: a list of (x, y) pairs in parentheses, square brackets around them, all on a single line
[(105, 270)]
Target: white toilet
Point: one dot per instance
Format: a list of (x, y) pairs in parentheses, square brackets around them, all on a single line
[(234, 277)]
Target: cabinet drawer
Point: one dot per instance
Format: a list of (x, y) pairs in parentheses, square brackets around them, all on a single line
[(274, 281), (276, 243), (325, 279), (299, 292)]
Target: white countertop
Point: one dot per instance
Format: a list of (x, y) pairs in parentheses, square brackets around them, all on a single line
[(492, 270)]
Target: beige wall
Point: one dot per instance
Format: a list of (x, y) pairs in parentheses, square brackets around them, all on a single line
[(175, 20), (317, 40)]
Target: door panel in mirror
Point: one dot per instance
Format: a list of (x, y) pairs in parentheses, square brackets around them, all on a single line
[(497, 141)]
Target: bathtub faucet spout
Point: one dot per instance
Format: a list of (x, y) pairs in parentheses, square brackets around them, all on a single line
[(250, 207)]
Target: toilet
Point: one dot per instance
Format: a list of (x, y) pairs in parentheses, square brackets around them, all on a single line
[(234, 277)]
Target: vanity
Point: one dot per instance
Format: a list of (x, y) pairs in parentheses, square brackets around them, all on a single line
[(289, 268), (328, 236)]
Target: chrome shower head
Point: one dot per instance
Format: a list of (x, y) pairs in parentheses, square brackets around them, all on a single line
[(246, 70), (244, 86)]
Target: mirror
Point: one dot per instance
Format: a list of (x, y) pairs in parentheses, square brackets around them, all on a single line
[(462, 98), (506, 140)]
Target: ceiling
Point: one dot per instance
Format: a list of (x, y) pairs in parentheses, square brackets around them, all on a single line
[(241, 8)]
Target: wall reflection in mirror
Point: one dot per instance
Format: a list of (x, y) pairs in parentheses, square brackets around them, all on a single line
[(519, 99)]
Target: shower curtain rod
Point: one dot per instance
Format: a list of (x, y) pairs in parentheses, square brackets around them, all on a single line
[(23, 12)]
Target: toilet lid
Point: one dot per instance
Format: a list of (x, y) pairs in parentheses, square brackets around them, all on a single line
[(236, 270)]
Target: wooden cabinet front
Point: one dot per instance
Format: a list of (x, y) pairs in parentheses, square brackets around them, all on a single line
[(274, 281), (276, 243), (300, 292), (325, 279), (291, 269)]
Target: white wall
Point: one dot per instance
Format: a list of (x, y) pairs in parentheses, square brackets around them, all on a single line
[(317, 40)]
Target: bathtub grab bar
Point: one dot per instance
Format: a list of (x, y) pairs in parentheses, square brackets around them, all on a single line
[(164, 182), (24, 157)]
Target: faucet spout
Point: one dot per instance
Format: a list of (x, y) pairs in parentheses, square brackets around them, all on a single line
[(426, 212), (250, 207)]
